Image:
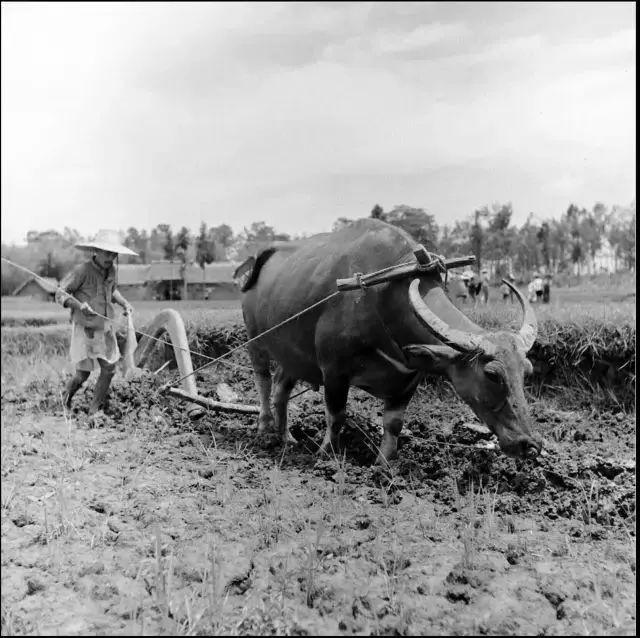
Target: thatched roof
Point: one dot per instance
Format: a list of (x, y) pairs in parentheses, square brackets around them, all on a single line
[(138, 274), (132, 274), (48, 284)]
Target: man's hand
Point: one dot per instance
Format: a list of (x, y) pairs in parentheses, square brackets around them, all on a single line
[(127, 309), (87, 310)]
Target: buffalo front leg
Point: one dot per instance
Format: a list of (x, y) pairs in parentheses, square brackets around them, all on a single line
[(335, 403), (392, 420), (283, 387), (262, 376)]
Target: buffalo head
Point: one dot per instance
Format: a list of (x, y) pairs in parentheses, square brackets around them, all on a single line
[(486, 369)]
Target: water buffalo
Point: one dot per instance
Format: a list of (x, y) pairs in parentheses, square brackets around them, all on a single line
[(382, 339)]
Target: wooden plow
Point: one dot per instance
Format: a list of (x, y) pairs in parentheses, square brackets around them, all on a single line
[(171, 321)]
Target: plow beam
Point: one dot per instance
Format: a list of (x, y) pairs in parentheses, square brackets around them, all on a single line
[(171, 321), (205, 402)]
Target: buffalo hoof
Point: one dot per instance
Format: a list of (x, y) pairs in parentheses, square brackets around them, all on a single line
[(266, 425), (268, 439)]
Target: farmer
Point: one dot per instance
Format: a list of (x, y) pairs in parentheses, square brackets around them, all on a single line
[(90, 291)]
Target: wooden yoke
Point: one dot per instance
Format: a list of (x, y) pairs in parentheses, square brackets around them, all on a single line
[(425, 262)]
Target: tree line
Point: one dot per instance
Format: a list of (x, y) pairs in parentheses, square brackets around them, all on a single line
[(568, 243)]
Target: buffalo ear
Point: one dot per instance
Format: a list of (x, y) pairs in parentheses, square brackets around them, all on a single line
[(430, 359)]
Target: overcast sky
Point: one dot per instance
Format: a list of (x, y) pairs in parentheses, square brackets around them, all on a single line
[(295, 114)]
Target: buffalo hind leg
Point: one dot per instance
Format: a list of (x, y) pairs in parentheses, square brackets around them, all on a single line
[(262, 375), (283, 387), (335, 403), (392, 420)]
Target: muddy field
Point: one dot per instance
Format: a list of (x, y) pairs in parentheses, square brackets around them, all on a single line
[(146, 523)]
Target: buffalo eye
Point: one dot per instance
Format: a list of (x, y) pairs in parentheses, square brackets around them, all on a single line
[(493, 376)]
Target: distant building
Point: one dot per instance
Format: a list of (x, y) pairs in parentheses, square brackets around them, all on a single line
[(132, 281), (159, 280), (43, 288), (214, 281), (165, 280)]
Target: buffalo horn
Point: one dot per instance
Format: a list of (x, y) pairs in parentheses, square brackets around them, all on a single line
[(529, 328), (458, 339)]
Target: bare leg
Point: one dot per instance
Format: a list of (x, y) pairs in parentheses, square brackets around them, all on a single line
[(262, 376), (283, 388), (336, 392), (75, 383), (392, 419), (101, 392)]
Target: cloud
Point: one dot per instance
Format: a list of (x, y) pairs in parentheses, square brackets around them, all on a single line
[(297, 113), (417, 42), (566, 186)]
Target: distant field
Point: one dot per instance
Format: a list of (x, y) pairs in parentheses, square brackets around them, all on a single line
[(18, 311), (586, 335), (609, 303)]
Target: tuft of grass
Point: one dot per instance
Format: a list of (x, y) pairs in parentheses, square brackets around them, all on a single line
[(588, 347)]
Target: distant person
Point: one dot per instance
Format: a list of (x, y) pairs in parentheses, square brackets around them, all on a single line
[(531, 292), (546, 288), (506, 292), (484, 282), (90, 291), (472, 287), (466, 275), (538, 286)]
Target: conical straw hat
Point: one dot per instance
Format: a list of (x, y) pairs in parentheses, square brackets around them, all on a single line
[(108, 240)]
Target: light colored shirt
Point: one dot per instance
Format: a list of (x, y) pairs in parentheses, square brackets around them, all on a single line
[(89, 283)]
